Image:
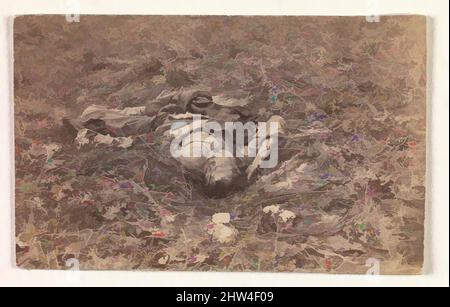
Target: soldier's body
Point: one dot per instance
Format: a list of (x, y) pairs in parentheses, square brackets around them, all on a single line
[(218, 175)]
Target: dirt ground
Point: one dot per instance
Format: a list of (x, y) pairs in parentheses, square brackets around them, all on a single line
[(350, 188)]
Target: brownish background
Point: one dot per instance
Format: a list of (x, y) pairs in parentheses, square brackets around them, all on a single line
[(364, 81)]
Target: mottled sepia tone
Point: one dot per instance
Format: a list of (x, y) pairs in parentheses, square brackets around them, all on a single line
[(348, 194)]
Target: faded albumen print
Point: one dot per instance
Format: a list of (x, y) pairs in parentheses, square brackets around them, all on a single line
[(214, 143)]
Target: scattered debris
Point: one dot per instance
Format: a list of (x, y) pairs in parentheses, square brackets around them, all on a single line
[(220, 232)]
